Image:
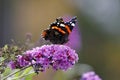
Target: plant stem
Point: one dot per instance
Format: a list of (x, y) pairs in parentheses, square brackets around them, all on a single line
[(4, 78)]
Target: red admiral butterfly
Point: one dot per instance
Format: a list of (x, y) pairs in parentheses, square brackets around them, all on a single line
[(59, 31)]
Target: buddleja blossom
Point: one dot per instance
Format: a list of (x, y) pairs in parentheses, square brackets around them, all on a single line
[(58, 56), (90, 76)]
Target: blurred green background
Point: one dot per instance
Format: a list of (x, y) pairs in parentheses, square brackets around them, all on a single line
[(99, 22)]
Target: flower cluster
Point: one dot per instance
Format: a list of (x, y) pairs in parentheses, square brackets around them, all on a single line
[(58, 56), (90, 76)]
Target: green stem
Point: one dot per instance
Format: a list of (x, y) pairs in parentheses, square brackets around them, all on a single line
[(4, 78)]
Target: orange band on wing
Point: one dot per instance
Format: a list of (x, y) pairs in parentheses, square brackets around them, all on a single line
[(68, 29), (44, 33), (59, 29)]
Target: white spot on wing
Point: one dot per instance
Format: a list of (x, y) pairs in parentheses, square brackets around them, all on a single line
[(72, 24), (62, 25), (58, 23)]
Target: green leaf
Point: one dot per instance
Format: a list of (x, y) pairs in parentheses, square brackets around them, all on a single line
[(7, 71), (5, 48), (15, 48), (17, 74), (1, 59), (29, 77), (27, 72)]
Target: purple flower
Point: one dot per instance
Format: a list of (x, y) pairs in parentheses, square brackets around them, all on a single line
[(23, 61), (64, 58), (90, 76), (58, 56), (12, 65)]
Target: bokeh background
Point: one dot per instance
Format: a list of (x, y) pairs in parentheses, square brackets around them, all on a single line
[(99, 23)]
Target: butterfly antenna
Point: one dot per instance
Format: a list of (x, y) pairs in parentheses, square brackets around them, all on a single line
[(74, 19)]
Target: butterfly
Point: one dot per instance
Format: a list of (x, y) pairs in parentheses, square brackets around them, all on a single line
[(59, 31)]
